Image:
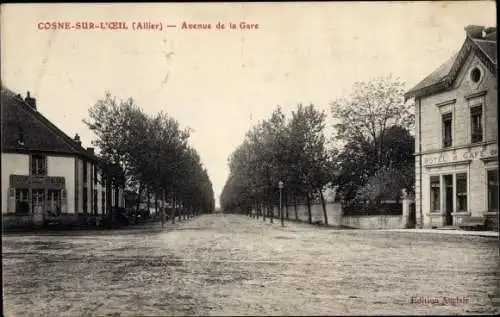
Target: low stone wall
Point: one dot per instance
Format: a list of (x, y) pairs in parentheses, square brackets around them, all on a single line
[(20, 222), (336, 217), (299, 212), (16, 222), (374, 222)]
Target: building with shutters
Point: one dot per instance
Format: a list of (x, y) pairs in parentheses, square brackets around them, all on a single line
[(456, 135), (47, 175)]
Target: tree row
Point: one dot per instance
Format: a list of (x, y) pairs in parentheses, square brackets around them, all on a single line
[(368, 159), (153, 154)]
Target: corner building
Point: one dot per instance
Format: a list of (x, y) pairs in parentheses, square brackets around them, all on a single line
[(457, 136)]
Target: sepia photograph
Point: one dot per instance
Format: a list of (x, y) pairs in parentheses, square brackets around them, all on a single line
[(249, 159)]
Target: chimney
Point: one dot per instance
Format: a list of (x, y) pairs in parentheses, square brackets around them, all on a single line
[(490, 34), (474, 31), (30, 101), (91, 150), (77, 139)]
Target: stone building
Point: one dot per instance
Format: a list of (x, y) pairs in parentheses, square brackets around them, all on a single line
[(456, 139), (46, 175)]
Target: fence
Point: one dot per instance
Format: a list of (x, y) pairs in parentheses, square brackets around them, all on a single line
[(384, 208)]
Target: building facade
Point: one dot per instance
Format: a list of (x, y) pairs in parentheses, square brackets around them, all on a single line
[(457, 136), (46, 175)]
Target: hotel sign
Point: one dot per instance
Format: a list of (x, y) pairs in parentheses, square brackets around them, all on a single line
[(461, 156), (25, 181)]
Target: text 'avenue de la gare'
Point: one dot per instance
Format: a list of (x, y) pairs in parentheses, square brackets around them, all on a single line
[(219, 26)]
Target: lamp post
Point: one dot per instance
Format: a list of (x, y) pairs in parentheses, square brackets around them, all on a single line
[(280, 186)]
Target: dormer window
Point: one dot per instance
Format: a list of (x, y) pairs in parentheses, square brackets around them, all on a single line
[(20, 137)]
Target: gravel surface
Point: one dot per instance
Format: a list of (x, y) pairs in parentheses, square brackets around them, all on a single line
[(231, 264)]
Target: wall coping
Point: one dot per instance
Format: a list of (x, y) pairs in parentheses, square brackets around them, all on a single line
[(358, 216)]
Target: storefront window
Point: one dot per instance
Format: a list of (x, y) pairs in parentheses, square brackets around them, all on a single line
[(22, 201), (493, 190), (435, 194), (461, 192)]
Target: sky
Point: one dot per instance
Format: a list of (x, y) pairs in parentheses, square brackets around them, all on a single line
[(221, 82)]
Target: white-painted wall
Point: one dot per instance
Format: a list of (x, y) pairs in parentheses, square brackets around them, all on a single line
[(79, 203), (17, 164), (64, 167)]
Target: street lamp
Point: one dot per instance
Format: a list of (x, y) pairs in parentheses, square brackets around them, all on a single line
[(280, 186)]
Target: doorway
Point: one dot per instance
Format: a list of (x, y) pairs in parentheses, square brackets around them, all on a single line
[(412, 219), (448, 199), (54, 202), (37, 201)]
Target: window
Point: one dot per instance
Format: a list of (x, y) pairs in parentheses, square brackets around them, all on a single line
[(38, 165), (476, 114), (447, 130), (85, 200), (117, 202), (95, 174), (461, 192), (435, 194), (103, 202), (94, 202), (85, 172), (22, 201), (493, 190), (475, 75)]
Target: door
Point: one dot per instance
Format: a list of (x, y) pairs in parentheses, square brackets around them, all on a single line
[(448, 199), (37, 200), (38, 205), (54, 202), (412, 221)]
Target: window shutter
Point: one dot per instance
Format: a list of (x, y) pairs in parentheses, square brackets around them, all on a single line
[(64, 201), (11, 203)]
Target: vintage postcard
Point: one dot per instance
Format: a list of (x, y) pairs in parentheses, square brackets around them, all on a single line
[(284, 158)]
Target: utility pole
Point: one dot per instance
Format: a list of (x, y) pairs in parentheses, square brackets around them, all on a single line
[(280, 186)]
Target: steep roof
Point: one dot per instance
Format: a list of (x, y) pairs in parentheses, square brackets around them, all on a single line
[(489, 48), (21, 121), (436, 76), (444, 76)]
